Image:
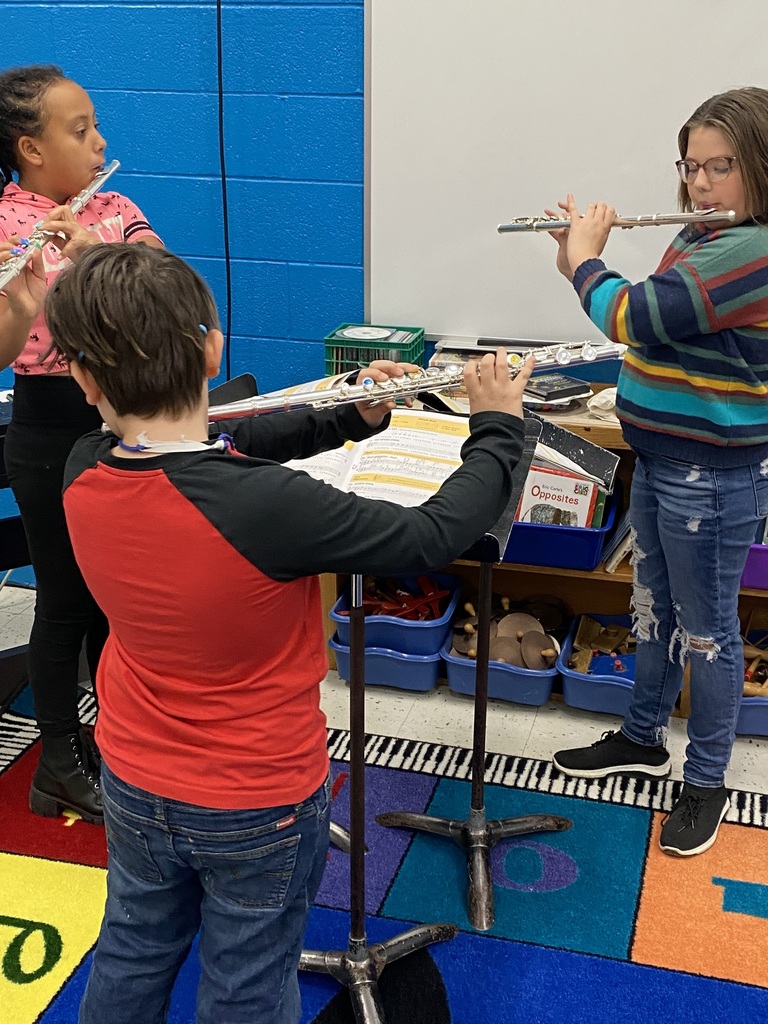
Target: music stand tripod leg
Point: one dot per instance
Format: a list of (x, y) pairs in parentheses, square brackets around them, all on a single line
[(359, 966), (477, 835)]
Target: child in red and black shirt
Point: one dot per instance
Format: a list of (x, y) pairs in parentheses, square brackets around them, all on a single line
[(204, 553)]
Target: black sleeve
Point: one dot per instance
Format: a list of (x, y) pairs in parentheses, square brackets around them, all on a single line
[(293, 525), (84, 455), (281, 436)]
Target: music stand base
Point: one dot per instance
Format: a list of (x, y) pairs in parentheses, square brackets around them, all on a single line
[(340, 837), (477, 836), (359, 967)]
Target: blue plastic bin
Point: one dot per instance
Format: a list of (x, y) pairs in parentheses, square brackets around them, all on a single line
[(753, 717), (564, 547), (392, 668), (505, 682), (404, 635), (610, 692)]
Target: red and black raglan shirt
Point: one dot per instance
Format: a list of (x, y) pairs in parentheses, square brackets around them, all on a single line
[(205, 564)]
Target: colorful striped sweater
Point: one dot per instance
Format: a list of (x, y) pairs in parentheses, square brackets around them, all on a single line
[(694, 381)]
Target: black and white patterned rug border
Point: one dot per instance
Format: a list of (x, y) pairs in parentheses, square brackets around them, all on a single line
[(537, 776), (19, 732)]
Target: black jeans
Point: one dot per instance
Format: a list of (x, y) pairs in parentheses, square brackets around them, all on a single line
[(49, 414)]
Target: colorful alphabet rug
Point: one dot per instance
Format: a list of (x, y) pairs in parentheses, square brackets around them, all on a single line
[(594, 923)]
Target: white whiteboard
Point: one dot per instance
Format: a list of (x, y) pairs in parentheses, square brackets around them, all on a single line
[(480, 111)]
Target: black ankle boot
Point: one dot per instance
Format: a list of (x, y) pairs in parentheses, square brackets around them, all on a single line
[(66, 779), (92, 751)]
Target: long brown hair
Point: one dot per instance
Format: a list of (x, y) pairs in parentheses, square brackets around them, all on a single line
[(741, 115)]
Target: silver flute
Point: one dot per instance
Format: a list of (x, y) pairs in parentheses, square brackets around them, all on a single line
[(432, 378), (642, 221), (27, 247)]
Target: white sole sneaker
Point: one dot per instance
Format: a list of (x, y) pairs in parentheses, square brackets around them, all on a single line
[(674, 852), (654, 771)]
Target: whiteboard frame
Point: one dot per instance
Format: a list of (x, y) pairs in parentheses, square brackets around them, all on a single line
[(467, 280)]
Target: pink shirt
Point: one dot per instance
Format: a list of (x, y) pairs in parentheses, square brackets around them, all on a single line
[(112, 217)]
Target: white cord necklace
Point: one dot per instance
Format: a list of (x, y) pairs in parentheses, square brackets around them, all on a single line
[(222, 443)]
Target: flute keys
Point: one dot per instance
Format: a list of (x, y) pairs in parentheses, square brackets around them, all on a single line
[(562, 356), (588, 352)]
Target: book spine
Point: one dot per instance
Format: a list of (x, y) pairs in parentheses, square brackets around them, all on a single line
[(622, 551), (599, 513)]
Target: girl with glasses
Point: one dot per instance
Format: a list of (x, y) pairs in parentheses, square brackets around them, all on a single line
[(692, 398)]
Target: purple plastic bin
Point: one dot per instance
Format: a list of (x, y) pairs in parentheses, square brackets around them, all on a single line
[(755, 575)]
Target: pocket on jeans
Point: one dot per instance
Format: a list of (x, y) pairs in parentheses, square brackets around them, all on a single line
[(761, 491), (129, 848), (258, 878)]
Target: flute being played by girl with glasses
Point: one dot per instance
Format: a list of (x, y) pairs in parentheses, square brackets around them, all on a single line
[(693, 404)]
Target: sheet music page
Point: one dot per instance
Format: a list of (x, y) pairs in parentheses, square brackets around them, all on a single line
[(408, 462), (331, 467), (312, 387), (405, 464)]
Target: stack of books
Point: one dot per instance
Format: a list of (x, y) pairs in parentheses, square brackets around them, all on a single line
[(619, 546), (558, 497)]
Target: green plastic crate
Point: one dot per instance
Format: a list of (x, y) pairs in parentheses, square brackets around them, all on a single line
[(351, 346)]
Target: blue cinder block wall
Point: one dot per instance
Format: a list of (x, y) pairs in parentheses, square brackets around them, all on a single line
[(292, 77)]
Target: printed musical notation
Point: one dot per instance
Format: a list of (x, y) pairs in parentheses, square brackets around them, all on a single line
[(405, 464)]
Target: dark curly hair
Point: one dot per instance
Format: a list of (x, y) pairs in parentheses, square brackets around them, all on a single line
[(22, 92)]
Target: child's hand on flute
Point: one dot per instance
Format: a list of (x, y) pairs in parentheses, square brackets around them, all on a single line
[(382, 370)]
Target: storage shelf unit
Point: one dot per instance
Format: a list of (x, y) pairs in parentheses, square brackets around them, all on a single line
[(595, 591)]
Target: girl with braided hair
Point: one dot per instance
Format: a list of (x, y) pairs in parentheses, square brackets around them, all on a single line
[(50, 150)]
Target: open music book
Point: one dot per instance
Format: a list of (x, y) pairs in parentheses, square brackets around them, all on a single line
[(405, 464), (409, 460)]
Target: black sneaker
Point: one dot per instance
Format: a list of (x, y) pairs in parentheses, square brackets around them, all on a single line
[(691, 826), (613, 754)]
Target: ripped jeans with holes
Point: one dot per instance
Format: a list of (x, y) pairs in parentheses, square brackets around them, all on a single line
[(692, 530)]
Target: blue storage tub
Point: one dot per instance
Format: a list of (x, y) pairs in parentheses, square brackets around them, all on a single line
[(753, 717), (753, 714), (564, 547), (392, 668), (405, 635), (505, 682), (610, 692)]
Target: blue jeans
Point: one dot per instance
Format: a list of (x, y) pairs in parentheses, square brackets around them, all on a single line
[(244, 879), (693, 527)]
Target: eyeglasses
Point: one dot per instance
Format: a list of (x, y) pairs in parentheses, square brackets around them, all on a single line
[(717, 168)]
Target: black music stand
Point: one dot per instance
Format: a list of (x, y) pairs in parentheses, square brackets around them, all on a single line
[(236, 389), (359, 966), (477, 835)]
